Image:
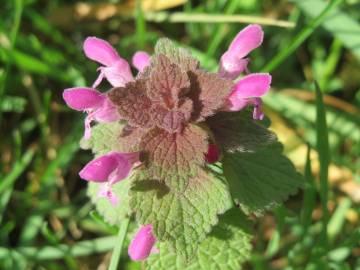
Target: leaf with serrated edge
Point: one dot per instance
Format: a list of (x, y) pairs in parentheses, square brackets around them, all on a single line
[(177, 55), (104, 138), (181, 220), (227, 247), (261, 180), (208, 92), (238, 131), (174, 157), (112, 214)]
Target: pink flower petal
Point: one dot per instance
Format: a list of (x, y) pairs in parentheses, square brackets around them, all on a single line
[(121, 172), (100, 51), (253, 85), (80, 98), (118, 74), (141, 60), (142, 244), (213, 154), (87, 123), (258, 114), (232, 62), (246, 40), (106, 113), (99, 169), (231, 67), (107, 192)]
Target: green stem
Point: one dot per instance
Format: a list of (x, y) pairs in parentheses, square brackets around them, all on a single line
[(301, 37), (115, 258)]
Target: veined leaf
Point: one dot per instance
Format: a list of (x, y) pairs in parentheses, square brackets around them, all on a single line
[(261, 180), (226, 248), (111, 214), (180, 220)]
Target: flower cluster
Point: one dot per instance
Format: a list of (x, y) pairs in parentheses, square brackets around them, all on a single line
[(162, 103)]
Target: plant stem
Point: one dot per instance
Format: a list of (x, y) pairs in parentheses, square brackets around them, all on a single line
[(115, 258)]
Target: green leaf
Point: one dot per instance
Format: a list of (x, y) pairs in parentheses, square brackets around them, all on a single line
[(260, 180), (174, 158), (104, 138), (111, 214), (239, 132), (226, 248), (183, 219)]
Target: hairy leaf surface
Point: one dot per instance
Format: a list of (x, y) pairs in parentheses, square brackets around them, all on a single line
[(208, 91), (226, 248), (238, 131), (133, 104), (177, 55), (167, 82), (262, 179), (111, 214), (174, 157), (104, 138), (180, 219)]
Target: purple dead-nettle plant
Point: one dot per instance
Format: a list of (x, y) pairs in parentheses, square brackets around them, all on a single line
[(185, 152)]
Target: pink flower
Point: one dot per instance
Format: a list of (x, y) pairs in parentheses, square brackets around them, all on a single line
[(109, 169), (96, 104), (115, 69), (142, 244), (248, 90), (232, 62), (213, 154), (140, 60)]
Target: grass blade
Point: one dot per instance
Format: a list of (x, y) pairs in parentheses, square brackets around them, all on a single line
[(18, 7), (324, 159), (82, 248), (301, 37), (309, 194), (115, 258), (7, 183), (182, 17), (338, 218), (340, 24)]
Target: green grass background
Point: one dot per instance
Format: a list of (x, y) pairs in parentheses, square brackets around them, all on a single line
[(46, 220)]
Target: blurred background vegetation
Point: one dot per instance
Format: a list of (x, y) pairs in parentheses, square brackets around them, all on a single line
[(47, 222)]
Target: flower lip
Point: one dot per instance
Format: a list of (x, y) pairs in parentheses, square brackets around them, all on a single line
[(117, 74), (252, 85), (111, 167), (115, 69), (99, 169), (82, 98), (142, 244)]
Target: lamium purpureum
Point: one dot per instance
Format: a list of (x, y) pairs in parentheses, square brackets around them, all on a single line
[(185, 152)]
